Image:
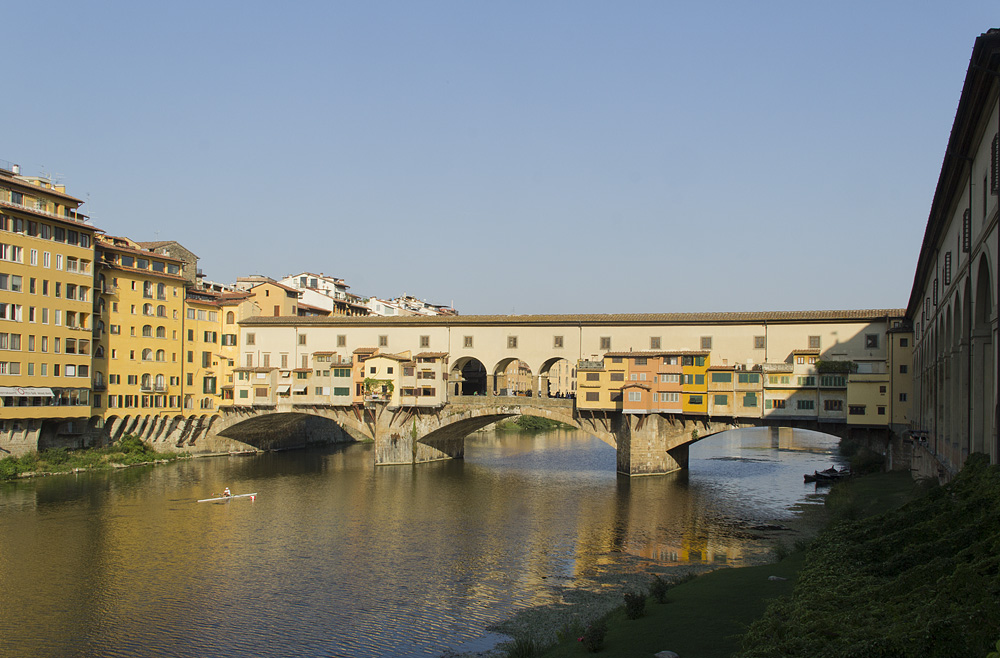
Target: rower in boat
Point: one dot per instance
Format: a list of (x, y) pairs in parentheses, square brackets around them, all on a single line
[(226, 492)]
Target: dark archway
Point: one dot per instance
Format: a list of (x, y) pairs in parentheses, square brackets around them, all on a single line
[(469, 376)]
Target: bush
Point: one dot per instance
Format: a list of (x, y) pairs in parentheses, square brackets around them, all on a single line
[(8, 468), (521, 647), (593, 635), (571, 629), (635, 605), (658, 589)]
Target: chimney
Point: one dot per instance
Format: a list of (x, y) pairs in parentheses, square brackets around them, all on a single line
[(16, 169)]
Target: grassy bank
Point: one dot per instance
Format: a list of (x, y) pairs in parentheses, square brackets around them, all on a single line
[(128, 451), (708, 615), (923, 580)]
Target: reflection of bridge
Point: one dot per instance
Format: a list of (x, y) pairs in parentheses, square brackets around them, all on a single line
[(646, 444)]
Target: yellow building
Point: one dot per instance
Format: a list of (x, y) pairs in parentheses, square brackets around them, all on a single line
[(901, 375), (46, 298), (205, 367), (694, 369), (140, 329)]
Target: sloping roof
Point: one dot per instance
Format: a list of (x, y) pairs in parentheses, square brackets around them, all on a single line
[(984, 67), (592, 319)]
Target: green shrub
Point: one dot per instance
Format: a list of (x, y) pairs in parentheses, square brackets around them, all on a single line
[(658, 589), (635, 605), (520, 647), (8, 468), (570, 631), (593, 635)]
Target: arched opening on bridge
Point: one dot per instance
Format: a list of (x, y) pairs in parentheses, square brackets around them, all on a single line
[(557, 378), (513, 377), (467, 377)]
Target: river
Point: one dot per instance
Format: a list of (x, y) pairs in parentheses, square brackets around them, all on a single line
[(336, 557)]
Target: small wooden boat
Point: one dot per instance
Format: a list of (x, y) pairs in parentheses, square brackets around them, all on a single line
[(251, 496)]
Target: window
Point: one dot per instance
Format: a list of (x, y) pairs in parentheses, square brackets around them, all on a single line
[(902, 369), (640, 361), (654, 342), (814, 342), (671, 378), (722, 377), (425, 341), (904, 342), (511, 342), (557, 342), (774, 404), (871, 341), (615, 376), (706, 342), (856, 410), (833, 405), (758, 342), (721, 400), (210, 336), (383, 341), (806, 404), (807, 381), (833, 380), (251, 339), (696, 399), (467, 342), (750, 400), (605, 342), (593, 396), (635, 396), (302, 339), (902, 397), (947, 268), (748, 378), (596, 376)]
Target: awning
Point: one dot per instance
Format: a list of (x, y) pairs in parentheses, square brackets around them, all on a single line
[(26, 392), (301, 389), (284, 388)]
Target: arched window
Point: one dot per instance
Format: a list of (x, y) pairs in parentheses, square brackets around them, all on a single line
[(161, 332), (147, 309), (230, 317), (161, 311), (147, 289), (161, 355), (161, 291), (99, 351), (98, 379), (147, 331), (144, 384), (147, 354), (160, 383)]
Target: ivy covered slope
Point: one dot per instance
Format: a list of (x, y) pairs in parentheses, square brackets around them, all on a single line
[(923, 580)]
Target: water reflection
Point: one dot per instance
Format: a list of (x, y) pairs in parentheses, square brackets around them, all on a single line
[(338, 558)]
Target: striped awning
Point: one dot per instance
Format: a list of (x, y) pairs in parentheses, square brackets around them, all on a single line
[(26, 392)]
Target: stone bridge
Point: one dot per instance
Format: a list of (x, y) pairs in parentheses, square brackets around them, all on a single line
[(646, 443)]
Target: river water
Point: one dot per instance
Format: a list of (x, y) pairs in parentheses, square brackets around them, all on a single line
[(336, 557)]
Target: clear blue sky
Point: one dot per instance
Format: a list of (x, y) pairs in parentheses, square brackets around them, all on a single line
[(512, 157)]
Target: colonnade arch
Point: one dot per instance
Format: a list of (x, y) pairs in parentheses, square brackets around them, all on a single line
[(982, 360)]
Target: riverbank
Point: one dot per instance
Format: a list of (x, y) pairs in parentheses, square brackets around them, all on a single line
[(128, 451), (706, 615)]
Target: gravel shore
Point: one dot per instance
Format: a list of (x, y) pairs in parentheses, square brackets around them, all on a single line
[(580, 603)]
